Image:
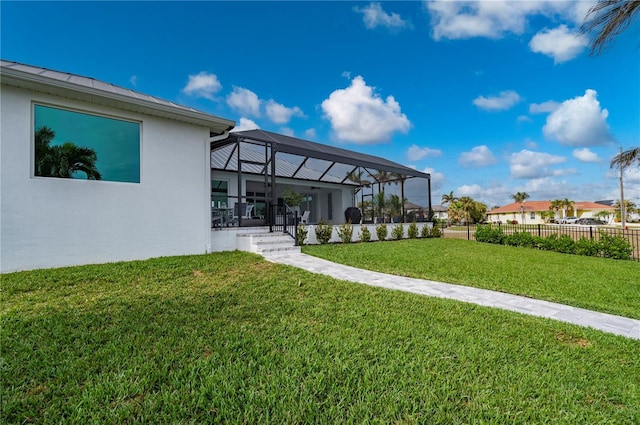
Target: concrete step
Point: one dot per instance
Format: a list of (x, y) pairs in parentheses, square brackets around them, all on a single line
[(266, 243)]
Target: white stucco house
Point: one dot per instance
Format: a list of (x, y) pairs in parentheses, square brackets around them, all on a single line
[(152, 202), (91, 172)]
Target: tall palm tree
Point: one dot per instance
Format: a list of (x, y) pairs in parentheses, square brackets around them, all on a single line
[(556, 206), (629, 208), (401, 178), (448, 198), (520, 197), (626, 158), (607, 19), (466, 204), (567, 204)]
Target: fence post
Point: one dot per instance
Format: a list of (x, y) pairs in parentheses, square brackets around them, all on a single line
[(539, 230), (468, 231)]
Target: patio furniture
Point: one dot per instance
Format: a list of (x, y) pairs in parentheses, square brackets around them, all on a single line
[(221, 217), (244, 211), (305, 217)]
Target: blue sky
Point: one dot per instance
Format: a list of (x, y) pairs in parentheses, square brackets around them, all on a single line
[(491, 98)]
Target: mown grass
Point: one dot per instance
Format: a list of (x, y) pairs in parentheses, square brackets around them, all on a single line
[(231, 338), (611, 286)]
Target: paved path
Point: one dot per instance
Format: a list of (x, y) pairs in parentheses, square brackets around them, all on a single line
[(578, 316)]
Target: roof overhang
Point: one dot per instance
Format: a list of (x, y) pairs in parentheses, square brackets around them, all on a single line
[(308, 149), (97, 92)]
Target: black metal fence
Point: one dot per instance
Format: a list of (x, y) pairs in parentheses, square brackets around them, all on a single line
[(283, 219), (543, 230)]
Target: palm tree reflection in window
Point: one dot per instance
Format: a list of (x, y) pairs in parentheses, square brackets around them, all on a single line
[(63, 160)]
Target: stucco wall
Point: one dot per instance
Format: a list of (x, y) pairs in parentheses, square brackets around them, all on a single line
[(50, 222)]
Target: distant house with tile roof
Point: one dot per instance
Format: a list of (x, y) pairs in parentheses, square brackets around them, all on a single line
[(535, 212)]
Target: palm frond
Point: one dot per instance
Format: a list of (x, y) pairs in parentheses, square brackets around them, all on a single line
[(607, 19)]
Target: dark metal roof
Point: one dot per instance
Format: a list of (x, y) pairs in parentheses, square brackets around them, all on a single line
[(95, 91), (332, 154)]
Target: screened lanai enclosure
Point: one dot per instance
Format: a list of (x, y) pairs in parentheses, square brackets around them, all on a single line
[(260, 178)]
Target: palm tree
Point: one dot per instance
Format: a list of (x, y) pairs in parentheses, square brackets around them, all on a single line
[(466, 205), (63, 160), (608, 18), (356, 177), (567, 204), (70, 159), (401, 177), (629, 207), (448, 199), (626, 158), (556, 205), (520, 197)]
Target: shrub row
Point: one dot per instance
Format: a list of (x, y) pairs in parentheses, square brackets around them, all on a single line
[(608, 246), (324, 231)]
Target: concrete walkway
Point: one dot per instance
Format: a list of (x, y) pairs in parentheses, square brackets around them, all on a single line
[(605, 322)]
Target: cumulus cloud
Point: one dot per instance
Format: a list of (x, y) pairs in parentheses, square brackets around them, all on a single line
[(310, 133), (359, 115), (579, 122), (585, 155), (416, 153), (479, 156), (494, 19), (374, 16), (245, 124), (505, 100), (202, 85), (281, 114), (544, 107), (527, 164), (287, 131), (244, 101), (562, 44), (490, 196)]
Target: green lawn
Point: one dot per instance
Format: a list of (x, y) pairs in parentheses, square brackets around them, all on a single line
[(231, 338), (600, 284)]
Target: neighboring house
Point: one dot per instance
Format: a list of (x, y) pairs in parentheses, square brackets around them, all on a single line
[(141, 176), (153, 196), (440, 212), (532, 212)]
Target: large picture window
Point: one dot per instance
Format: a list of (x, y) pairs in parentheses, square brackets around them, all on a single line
[(78, 145)]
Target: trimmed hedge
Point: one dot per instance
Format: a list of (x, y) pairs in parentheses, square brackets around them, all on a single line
[(608, 246)]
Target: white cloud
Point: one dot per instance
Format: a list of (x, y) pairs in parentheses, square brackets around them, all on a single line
[(280, 114), (202, 85), (527, 164), (310, 133), (286, 131), (373, 16), (523, 118), (505, 100), (134, 80), (560, 43), (490, 196), (244, 101), (494, 19), (416, 153), (359, 115), (437, 178), (479, 156), (585, 155), (544, 107), (245, 124), (579, 122)]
